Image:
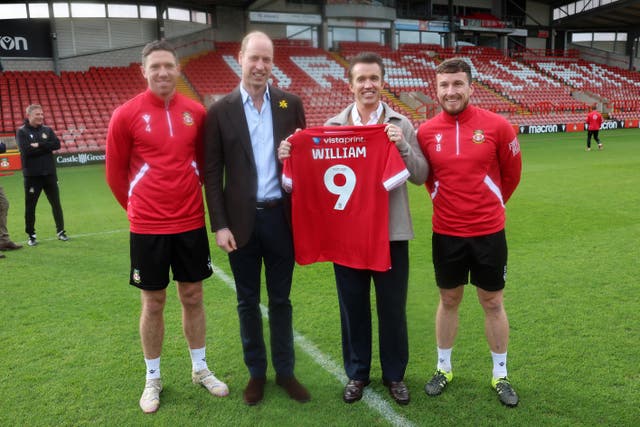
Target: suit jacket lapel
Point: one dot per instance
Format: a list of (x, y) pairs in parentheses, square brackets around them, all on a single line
[(237, 118)]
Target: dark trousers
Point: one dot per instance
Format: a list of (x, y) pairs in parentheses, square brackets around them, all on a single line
[(271, 242), (595, 136), (355, 315), (33, 186)]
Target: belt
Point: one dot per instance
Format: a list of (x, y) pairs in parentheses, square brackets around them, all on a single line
[(268, 204)]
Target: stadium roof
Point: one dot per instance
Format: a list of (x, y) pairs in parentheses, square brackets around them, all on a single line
[(211, 4), (622, 15)]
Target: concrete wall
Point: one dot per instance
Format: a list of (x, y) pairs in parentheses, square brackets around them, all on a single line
[(186, 45), (604, 57)]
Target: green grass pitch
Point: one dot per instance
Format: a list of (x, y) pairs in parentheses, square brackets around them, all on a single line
[(70, 352)]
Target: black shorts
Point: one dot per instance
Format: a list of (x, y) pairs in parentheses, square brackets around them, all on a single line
[(187, 254), (483, 258)]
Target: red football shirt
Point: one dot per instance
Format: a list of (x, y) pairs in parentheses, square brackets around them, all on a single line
[(339, 178), (594, 120)]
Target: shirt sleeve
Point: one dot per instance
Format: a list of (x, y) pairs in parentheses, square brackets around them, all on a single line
[(395, 171), (118, 151), (53, 143), (199, 144), (510, 162)]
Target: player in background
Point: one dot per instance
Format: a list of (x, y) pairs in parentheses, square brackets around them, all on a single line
[(366, 80), (475, 163), (6, 244), (153, 166), (594, 122)]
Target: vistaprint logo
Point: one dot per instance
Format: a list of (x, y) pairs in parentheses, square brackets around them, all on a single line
[(316, 140), (13, 43), (343, 139)]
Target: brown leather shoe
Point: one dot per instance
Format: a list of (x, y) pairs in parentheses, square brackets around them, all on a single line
[(353, 390), (294, 389), (254, 391), (9, 246), (398, 391)]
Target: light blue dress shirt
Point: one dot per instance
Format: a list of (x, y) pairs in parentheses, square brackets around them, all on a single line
[(260, 125)]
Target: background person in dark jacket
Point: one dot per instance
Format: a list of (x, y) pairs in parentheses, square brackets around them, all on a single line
[(5, 241), (37, 143)]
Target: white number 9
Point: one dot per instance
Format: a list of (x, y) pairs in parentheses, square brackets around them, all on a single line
[(343, 191)]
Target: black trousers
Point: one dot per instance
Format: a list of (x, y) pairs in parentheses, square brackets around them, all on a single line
[(595, 134), (355, 316), (33, 186), (271, 242)]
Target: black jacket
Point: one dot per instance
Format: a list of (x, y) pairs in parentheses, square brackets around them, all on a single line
[(37, 161)]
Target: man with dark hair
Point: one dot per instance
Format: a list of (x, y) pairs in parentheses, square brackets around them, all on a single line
[(366, 80), (249, 213), (475, 163), (37, 143), (154, 163), (5, 242)]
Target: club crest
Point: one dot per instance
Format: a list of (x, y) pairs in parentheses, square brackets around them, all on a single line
[(187, 118), (478, 136)]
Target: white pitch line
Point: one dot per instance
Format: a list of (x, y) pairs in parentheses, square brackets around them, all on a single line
[(370, 397), (73, 236)]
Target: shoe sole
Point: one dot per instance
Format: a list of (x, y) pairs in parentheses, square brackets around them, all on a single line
[(150, 412), (508, 405)]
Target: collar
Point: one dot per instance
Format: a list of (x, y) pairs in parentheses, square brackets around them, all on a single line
[(28, 124), (463, 116), (245, 95), (373, 118), (156, 101)]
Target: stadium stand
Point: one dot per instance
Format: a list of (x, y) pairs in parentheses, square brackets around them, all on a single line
[(617, 89), (77, 105), (527, 89)]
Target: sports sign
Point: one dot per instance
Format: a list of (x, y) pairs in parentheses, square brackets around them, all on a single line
[(25, 38)]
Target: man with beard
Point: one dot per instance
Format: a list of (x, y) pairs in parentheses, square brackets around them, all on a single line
[(475, 163)]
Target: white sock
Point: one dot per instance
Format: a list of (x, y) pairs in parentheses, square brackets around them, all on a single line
[(499, 364), (198, 358), (153, 368), (444, 359)]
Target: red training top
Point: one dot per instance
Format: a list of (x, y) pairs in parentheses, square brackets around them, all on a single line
[(594, 120), (475, 165), (154, 156)]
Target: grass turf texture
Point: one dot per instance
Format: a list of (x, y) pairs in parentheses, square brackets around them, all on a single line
[(70, 351)]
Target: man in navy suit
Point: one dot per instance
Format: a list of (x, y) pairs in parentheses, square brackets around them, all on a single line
[(249, 213)]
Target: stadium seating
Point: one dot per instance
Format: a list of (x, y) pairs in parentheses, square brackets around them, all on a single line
[(527, 89), (77, 105)]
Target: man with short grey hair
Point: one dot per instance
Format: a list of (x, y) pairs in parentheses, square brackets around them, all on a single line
[(37, 143)]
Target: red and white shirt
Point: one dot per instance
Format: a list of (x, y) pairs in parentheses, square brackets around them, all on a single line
[(594, 120), (339, 178), (154, 156), (475, 165)]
